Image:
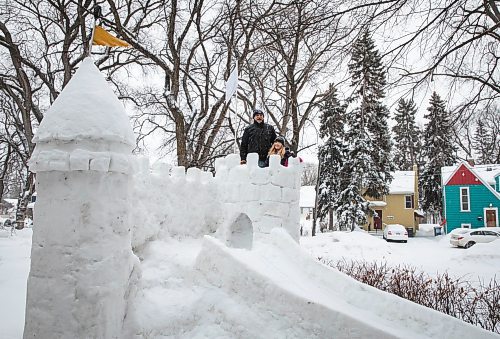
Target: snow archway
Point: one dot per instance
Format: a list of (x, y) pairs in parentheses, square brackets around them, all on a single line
[(240, 232)]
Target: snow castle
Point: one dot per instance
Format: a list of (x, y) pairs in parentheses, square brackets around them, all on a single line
[(96, 202)]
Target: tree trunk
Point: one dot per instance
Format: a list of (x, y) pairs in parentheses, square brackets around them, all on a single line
[(315, 211), (330, 219)]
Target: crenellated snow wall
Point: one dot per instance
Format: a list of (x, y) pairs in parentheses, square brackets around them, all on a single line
[(163, 197)]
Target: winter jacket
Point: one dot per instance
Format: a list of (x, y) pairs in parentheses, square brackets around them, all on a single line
[(257, 138)]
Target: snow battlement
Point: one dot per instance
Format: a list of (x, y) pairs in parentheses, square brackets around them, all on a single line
[(195, 203)]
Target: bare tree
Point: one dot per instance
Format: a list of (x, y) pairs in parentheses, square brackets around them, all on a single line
[(309, 175), (453, 40)]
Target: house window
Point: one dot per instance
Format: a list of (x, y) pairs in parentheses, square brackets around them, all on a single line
[(466, 225), (408, 201), (464, 199)]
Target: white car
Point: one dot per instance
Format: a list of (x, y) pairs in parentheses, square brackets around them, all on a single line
[(466, 237), (6, 222), (395, 232)]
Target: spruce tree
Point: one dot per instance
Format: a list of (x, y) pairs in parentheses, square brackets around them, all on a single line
[(406, 136), (350, 205), (438, 151), (368, 79), (483, 142), (331, 153)]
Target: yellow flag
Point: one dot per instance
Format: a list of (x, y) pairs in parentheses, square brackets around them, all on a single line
[(103, 38)]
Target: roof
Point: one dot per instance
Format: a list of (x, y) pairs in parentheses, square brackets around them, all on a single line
[(11, 201), (377, 204), (403, 182), (307, 196), (485, 172), (87, 109)]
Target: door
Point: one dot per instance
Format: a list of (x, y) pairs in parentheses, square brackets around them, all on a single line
[(377, 220), (491, 218)]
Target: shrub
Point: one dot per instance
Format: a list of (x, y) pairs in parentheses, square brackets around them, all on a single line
[(453, 296)]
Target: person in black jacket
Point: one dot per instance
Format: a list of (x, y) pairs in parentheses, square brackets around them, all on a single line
[(257, 138)]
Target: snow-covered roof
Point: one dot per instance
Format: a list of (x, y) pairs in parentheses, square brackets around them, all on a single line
[(87, 109), (403, 182), (11, 201), (377, 204), (307, 196), (419, 212), (486, 172)]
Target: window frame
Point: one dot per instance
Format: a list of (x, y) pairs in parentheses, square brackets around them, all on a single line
[(462, 202), (412, 198)]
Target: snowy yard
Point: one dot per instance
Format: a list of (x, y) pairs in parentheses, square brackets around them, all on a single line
[(169, 283), (428, 254)]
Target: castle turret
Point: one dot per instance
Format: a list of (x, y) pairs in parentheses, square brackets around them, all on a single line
[(81, 258)]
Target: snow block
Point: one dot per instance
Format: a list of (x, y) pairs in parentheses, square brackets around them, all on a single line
[(79, 160), (270, 193), (260, 176), (161, 168), (100, 163), (249, 192), (178, 172), (274, 163), (232, 160), (288, 194), (222, 174), (143, 164), (239, 174), (266, 224), (193, 174), (277, 209), (252, 160), (120, 163), (219, 164), (232, 192), (294, 163), (44, 159), (254, 210), (206, 177), (283, 178)]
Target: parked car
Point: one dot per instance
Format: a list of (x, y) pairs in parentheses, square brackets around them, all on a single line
[(395, 232), (466, 237), (6, 222)]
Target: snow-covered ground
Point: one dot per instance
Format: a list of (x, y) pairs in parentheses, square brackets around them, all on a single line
[(429, 254), (185, 294)]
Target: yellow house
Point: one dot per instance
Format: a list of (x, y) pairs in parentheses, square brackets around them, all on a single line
[(400, 206)]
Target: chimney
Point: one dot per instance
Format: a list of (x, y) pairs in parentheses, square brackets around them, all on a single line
[(471, 162)]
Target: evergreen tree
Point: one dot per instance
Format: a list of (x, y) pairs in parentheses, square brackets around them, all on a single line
[(483, 142), (331, 153), (368, 79), (350, 205), (406, 136), (438, 151)]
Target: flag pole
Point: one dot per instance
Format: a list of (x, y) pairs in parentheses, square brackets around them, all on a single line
[(97, 12), (235, 146), (92, 38)]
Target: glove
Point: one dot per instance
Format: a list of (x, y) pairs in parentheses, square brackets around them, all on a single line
[(243, 162)]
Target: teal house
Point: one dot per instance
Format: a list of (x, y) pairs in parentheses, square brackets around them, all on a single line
[(471, 195)]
